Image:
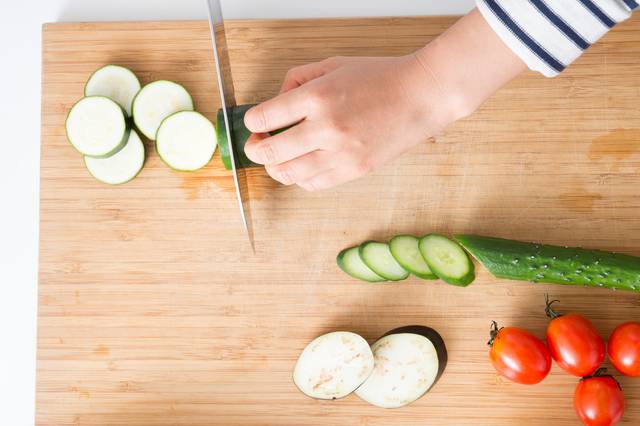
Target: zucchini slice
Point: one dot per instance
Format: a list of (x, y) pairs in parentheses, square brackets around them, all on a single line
[(350, 262), (447, 260), (408, 362), (186, 141), (157, 101), (405, 249), (96, 127), (121, 167), (117, 83), (379, 259), (333, 365), (524, 261)]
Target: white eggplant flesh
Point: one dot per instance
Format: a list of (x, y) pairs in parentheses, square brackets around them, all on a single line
[(333, 365), (408, 362)]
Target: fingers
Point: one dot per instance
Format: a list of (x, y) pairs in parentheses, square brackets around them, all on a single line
[(282, 111), (298, 76), (325, 180), (288, 145), (303, 168)]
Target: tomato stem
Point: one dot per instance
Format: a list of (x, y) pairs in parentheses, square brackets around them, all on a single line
[(549, 309), (493, 332), (600, 373)]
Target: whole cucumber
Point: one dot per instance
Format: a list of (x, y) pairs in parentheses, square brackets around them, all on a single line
[(532, 262)]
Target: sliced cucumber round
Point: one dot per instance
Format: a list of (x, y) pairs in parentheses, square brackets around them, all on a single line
[(405, 249), (186, 141), (447, 260), (333, 365), (117, 83), (349, 261), (121, 167), (157, 101), (379, 259), (96, 127)]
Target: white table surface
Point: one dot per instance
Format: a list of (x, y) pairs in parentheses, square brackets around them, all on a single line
[(20, 23)]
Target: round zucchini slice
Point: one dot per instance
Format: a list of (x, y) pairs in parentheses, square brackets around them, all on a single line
[(157, 101), (121, 167), (96, 127), (186, 141), (117, 83)]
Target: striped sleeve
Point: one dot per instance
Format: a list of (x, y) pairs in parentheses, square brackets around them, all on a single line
[(548, 35)]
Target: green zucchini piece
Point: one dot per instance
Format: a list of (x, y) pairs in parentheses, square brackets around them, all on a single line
[(405, 249), (523, 261), (117, 83), (379, 259), (122, 166), (96, 127), (157, 101), (349, 261), (240, 135), (186, 141), (447, 260)]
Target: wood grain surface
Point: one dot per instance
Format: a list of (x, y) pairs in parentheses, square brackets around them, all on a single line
[(153, 311)]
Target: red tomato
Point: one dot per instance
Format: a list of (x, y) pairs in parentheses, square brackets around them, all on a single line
[(624, 348), (598, 401), (574, 343), (518, 355)]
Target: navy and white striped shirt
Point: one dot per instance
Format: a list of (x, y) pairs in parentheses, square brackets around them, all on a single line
[(548, 35)]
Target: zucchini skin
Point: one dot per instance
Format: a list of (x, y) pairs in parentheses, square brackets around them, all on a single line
[(523, 261), (240, 135)]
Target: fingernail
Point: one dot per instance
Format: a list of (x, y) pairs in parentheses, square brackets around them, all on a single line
[(253, 120)]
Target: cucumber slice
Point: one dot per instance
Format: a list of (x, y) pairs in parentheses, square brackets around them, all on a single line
[(447, 260), (405, 249), (121, 167), (379, 259), (96, 127), (532, 262), (186, 141), (157, 101), (349, 261), (333, 365), (117, 83)]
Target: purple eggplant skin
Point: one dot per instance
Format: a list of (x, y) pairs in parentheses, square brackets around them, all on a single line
[(434, 337)]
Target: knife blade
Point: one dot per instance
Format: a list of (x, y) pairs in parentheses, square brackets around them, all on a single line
[(228, 101)]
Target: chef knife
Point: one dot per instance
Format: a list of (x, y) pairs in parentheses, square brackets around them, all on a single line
[(228, 101)]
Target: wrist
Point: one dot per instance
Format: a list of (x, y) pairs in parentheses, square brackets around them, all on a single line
[(468, 63)]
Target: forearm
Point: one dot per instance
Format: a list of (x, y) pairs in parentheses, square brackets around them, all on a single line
[(469, 62)]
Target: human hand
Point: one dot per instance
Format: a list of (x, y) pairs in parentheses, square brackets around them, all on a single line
[(352, 115)]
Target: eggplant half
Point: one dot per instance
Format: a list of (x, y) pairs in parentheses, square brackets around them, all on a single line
[(333, 365), (408, 362)]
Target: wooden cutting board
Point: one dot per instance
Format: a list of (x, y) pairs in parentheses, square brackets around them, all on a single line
[(153, 311)]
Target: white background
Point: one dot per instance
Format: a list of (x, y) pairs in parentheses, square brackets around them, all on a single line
[(20, 22)]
